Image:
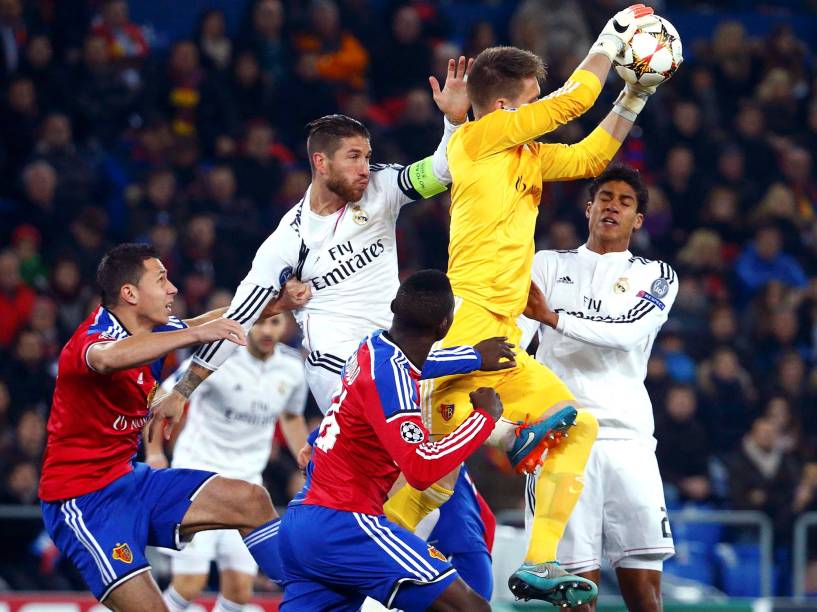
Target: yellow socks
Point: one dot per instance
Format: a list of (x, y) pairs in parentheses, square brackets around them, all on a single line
[(409, 506), (558, 488)]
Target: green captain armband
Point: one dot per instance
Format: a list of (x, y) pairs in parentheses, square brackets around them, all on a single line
[(418, 181)]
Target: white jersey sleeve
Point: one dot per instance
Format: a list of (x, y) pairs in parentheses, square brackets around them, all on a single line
[(272, 266), (649, 309), (419, 180)]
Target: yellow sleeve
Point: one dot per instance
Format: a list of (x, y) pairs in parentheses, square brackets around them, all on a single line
[(504, 129), (586, 158)]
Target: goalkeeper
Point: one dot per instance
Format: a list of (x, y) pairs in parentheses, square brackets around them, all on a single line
[(498, 170)]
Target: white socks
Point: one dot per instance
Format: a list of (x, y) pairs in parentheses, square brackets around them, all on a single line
[(174, 601), (503, 434)]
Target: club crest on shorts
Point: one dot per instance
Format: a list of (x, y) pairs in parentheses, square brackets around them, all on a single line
[(622, 285), (446, 411), (360, 216), (433, 552), (412, 433), (122, 552)]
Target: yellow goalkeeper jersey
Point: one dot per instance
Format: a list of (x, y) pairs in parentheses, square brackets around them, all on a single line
[(498, 171)]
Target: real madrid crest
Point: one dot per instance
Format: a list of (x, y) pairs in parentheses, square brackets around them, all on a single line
[(359, 215), (622, 285)]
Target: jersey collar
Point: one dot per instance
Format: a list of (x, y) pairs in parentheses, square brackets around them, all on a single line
[(384, 336), (583, 251)]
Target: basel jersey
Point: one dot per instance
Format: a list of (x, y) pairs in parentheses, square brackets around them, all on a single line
[(96, 419), (374, 430)]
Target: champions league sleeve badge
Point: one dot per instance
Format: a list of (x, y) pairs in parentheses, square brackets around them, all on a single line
[(359, 216), (660, 287)]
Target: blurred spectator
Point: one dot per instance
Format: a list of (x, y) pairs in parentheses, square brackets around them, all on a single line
[(683, 445), (267, 42), (70, 294), (552, 29), (420, 127), (158, 202), (765, 477), (727, 395), (763, 261), (796, 166), (19, 124), (403, 61), (16, 299), (101, 99), (48, 78), (779, 411), (215, 47), (13, 35), (328, 51), (28, 374), (25, 241), (125, 40), (257, 172), (76, 179)]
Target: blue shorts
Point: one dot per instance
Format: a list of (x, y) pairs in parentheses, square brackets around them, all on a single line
[(104, 533), (334, 559)]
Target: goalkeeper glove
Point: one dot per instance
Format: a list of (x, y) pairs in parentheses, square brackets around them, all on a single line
[(632, 99), (620, 29)]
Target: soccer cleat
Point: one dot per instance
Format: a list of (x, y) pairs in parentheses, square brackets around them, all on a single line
[(533, 439), (550, 583)]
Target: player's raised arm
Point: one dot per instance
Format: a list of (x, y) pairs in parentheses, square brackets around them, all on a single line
[(497, 84)]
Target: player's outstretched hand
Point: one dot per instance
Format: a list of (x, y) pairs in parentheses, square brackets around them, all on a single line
[(165, 413), (304, 455), (294, 294), (497, 354), (487, 399), (220, 329), (453, 100)]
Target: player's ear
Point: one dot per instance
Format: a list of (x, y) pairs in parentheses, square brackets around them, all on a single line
[(319, 162), (129, 294), (587, 210), (391, 306), (442, 328), (639, 221)]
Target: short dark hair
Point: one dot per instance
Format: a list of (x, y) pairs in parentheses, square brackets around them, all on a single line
[(324, 134), (123, 264), (423, 301), (498, 72), (625, 174)]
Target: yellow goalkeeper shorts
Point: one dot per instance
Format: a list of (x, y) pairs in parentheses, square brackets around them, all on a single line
[(527, 391)]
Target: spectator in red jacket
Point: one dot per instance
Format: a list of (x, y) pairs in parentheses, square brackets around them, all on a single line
[(16, 299)]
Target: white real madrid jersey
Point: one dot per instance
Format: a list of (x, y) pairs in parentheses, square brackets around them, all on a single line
[(610, 309), (349, 259), (232, 414)]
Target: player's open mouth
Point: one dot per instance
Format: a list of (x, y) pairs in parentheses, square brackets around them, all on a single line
[(609, 221), (169, 307)]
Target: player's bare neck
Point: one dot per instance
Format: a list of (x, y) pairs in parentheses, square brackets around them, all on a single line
[(415, 347), (131, 321), (323, 201), (602, 247)]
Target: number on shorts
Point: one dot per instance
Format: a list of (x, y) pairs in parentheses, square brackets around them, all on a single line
[(330, 430), (665, 530)]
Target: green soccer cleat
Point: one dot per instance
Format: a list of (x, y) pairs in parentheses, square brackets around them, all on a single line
[(533, 439), (550, 583)]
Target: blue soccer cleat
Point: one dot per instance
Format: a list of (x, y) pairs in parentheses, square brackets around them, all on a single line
[(533, 439), (550, 583)]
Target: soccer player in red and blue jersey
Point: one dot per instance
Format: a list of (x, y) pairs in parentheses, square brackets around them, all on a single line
[(100, 507), (336, 545)]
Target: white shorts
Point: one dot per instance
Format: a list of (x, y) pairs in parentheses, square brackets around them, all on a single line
[(322, 370), (224, 546), (621, 513)]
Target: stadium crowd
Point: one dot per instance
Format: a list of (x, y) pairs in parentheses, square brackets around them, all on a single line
[(198, 147)]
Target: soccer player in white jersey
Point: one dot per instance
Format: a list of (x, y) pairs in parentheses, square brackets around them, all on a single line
[(229, 429), (597, 310)]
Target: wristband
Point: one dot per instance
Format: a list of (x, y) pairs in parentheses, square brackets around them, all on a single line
[(629, 104)]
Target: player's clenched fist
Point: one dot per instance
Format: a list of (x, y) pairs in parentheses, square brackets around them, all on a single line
[(488, 400), (497, 354), (294, 294), (220, 329)]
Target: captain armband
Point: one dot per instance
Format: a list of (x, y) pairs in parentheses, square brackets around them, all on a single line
[(419, 182)]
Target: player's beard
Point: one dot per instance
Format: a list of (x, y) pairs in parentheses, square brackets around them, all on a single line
[(343, 189)]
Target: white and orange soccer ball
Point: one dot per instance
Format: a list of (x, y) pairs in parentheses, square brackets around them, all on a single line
[(652, 56)]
